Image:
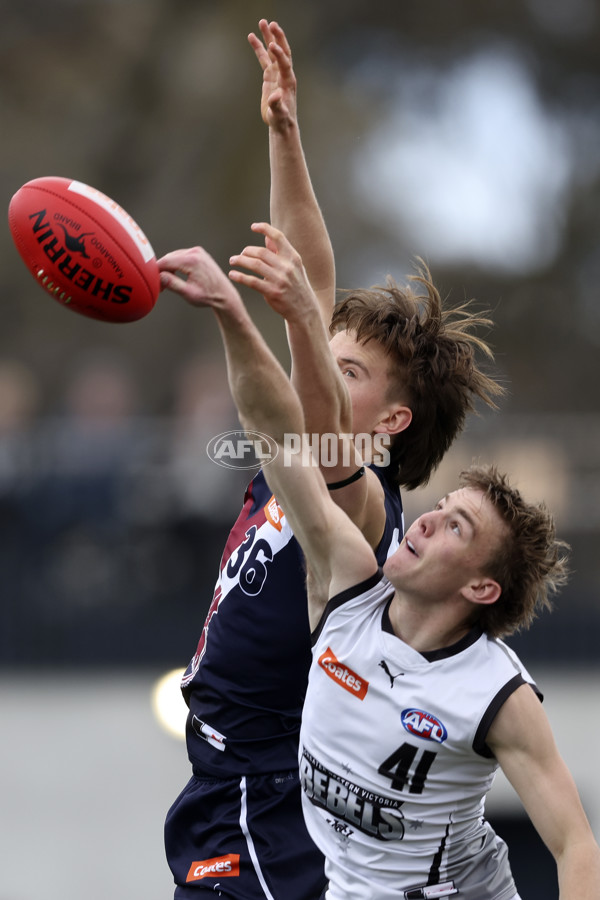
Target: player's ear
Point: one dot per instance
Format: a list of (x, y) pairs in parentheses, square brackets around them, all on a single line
[(395, 419), (482, 590)]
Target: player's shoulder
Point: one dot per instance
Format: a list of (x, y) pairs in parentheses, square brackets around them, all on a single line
[(367, 592)]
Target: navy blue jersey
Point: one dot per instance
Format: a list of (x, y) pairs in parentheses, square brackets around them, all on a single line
[(245, 685)]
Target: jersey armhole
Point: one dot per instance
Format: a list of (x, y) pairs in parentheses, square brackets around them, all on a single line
[(343, 597), (479, 744)]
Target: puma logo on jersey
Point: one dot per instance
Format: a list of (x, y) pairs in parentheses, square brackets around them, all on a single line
[(385, 668), (274, 513), (344, 676), (217, 867)]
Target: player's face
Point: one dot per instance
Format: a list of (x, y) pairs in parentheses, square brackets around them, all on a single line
[(365, 369), (448, 548)]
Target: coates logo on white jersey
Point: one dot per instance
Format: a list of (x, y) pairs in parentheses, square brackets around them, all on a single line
[(424, 725), (344, 676), (218, 867)]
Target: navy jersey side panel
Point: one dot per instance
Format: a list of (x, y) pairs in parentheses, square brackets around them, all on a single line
[(245, 685), (394, 516)]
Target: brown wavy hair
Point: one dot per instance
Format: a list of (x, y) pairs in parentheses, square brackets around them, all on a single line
[(433, 365), (530, 564)]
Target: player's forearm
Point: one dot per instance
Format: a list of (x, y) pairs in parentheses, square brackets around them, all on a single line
[(316, 377), (262, 393), (579, 871), (295, 211)]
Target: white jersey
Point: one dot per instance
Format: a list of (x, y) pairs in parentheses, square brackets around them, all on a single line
[(393, 760)]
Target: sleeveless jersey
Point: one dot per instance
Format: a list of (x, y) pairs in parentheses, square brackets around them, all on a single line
[(246, 684), (393, 761)]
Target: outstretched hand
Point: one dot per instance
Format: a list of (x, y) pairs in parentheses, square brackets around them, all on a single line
[(278, 99), (195, 275), (277, 273)]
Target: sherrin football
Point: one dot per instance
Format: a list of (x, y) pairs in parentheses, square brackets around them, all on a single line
[(85, 250)]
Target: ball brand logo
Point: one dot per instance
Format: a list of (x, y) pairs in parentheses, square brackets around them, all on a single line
[(241, 449), (75, 243), (424, 725), (344, 676), (218, 867), (60, 250)]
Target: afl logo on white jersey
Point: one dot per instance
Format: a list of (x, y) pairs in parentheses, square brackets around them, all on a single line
[(424, 725)]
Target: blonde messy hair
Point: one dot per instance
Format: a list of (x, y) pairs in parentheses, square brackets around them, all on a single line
[(530, 564)]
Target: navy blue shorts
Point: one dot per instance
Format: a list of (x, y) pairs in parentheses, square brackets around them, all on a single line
[(242, 838)]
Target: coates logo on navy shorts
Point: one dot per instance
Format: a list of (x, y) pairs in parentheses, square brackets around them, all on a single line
[(218, 867), (424, 725)]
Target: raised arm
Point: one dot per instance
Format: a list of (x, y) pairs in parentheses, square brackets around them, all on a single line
[(295, 212), (277, 272), (523, 743), (335, 550), (294, 206)]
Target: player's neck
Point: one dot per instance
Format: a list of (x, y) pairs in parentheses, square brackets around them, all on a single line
[(428, 628)]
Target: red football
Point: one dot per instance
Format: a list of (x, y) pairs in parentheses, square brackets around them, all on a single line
[(85, 250)]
